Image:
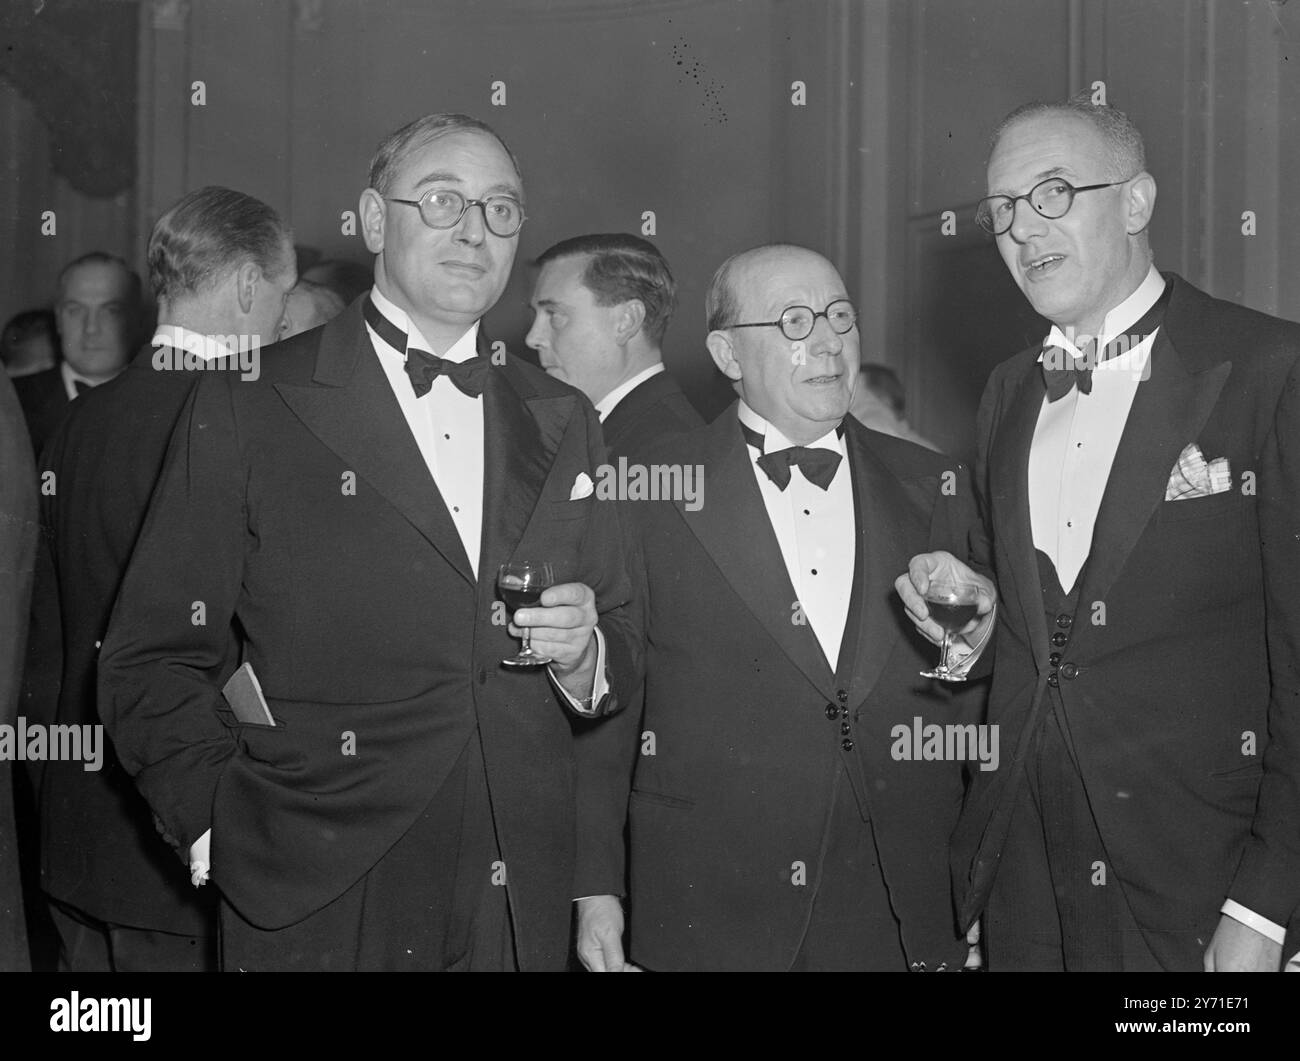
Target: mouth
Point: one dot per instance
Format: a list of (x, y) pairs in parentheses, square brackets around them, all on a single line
[(1042, 266), (822, 381), (465, 268)]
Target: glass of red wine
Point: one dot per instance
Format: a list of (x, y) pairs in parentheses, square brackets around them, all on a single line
[(521, 583), (952, 605)]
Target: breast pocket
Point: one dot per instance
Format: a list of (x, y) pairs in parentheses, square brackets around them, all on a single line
[(577, 509), (1230, 502)]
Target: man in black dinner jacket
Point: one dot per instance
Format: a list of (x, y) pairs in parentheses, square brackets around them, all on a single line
[(412, 806), (777, 820), (1141, 482), (220, 263)]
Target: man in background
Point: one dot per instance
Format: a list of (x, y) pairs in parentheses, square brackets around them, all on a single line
[(879, 402), (310, 305), (98, 312), (221, 265), (601, 306)]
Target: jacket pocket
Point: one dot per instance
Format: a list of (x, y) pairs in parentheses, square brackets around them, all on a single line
[(662, 800)]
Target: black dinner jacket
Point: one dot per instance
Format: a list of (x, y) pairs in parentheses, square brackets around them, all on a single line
[(649, 414), (100, 851), (739, 781), (298, 507), (1186, 644), (44, 399)]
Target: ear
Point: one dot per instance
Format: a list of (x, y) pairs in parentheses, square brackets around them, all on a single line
[(373, 212), (724, 354), (629, 318), (1141, 202), (247, 277)]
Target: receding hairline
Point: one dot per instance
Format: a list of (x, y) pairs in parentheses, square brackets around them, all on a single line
[(130, 279), (744, 264), (418, 143)]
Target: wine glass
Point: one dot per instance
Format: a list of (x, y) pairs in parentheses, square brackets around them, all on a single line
[(952, 605), (521, 583)]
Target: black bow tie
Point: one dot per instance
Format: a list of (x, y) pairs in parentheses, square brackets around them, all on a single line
[(818, 465), (423, 367), (1062, 371)]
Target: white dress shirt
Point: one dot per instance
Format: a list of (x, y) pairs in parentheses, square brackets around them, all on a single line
[(815, 529), (1076, 438), (1074, 446), (184, 341), (606, 404)]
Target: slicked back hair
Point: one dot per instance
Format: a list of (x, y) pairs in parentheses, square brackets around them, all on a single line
[(207, 234), (619, 268), (102, 258), (1125, 149), (396, 146)]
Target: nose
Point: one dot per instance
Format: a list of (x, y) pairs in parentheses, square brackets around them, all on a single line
[(92, 322), (1027, 223), (472, 228), (824, 339), (534, 339)]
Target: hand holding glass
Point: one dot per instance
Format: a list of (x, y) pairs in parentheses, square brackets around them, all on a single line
[(521, 583), (952, 605)]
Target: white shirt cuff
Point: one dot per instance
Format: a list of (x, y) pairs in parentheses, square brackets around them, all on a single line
[(1250, 919), (599, 687), (201, 859)]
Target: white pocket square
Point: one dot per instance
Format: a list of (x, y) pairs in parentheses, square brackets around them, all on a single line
[(1194, 476), (582, 487)]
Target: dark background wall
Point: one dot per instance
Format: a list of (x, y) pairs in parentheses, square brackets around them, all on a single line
[(680, 107)]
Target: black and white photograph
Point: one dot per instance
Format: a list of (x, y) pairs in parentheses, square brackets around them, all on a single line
[(650, 486)]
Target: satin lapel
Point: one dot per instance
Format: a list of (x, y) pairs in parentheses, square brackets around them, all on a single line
[(1008, 476), (521, 432), (733, 527), (1168, 412), (881, 504), (350, 407)]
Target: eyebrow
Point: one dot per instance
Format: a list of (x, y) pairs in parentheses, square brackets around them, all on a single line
[(451, 178), (1038, 178)]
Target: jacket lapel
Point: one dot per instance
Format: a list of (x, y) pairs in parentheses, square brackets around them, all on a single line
[(734, 529), (350, 407), (1169, 411), (1008, 478), (880, 504), (521, 432)]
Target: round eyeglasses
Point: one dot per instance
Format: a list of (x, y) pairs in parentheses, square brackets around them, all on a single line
[(797, 322), (443, 208), (1051, 198)]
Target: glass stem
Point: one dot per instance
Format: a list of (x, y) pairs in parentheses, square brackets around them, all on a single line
[(943, 661), (528, 648)]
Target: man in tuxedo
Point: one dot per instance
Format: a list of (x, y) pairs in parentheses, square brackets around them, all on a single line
[(777, 821), (98, 314), (18, 535), (1139, 477), (221, 264), (601, 306), (412, 804)]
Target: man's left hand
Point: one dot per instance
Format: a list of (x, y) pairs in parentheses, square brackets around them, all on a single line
[(563, 627), (1238, 948)]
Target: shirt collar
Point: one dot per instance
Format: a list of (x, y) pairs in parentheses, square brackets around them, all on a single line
[(606, 404), (461, 350), (70, 378), (206, 347), (773, 440), (1122, 316)]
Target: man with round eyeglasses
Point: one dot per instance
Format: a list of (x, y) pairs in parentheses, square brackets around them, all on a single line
[(771, 824), (1138, 472), (410, 804)]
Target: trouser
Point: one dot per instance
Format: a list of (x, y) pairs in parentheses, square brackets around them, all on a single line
[(1057, 904)]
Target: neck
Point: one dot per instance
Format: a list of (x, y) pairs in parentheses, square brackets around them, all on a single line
[(440, 334), (1091, 323), (199, 318), (637, 362)]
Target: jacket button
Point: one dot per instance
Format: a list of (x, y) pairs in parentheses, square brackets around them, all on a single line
[(1053, 680), (846, 744), (1069, 672), (845, 729), (1059, 639), (841, 695), (1064, 621), (1054, 659), (831, 712), (482, 676)]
